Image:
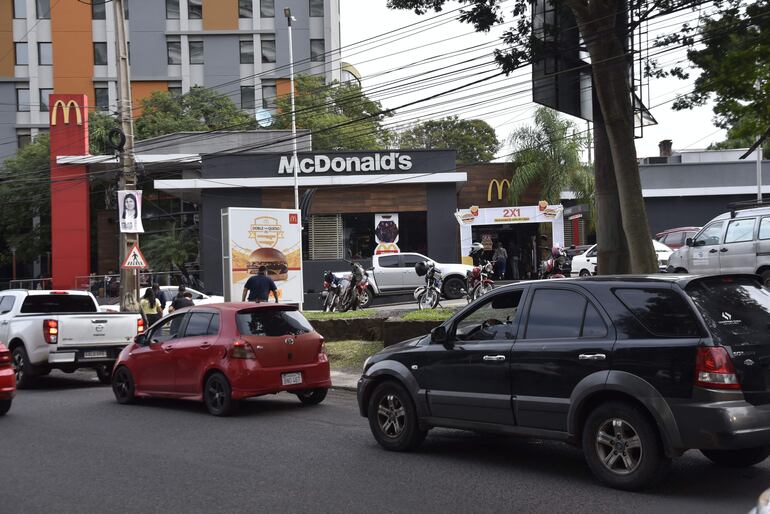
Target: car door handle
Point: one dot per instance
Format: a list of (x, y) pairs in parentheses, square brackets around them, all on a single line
[(167, 347), (494, 358), (205, 346), (592, 357), (713, 250), (723, 250)]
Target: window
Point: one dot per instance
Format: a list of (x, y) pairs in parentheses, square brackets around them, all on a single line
[(272, 323), (172, 9), (247, 97), (125, 8), (555, 314), (740, 230), (195, 9), (317, 50), (764, 229), (174, 52), (592, 252), (675, 238), (198, 324), (409, 261), (44, 54), (593, 324), (100, 54), (102, 98), (6, 304), (247, 52), (20, 9), (175, 90), (389, 261), (267, 8), (23, 140), (168, 328), (44, 94), (710, 235), (495, 318), (22, 100), (22, 53), (213, 326), (663, 312), (245, 9), (268, 50), (268, 96), (316, 8), (43, 9), (196, 52), (98, 10), (56, 303)]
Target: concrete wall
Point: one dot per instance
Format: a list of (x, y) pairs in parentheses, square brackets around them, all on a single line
[(443, 231), (300, 36), (703, 175), (147, 33), (686, 211), (221, 66)]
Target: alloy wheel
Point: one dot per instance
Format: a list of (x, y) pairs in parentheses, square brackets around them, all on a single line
[(122, 384), (391, 415), (216, 394), (619, 446), (18, 366)]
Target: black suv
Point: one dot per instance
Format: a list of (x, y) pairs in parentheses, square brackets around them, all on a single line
[(636, 370)]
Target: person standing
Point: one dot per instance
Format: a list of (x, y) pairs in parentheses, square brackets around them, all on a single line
[(183, 299), (259, 286), (501, 260), (160, 295), (150, 307), (514, 256)]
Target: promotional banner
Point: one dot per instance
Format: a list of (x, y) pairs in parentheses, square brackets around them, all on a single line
[(386, 233), (262, 237), (130, 211)]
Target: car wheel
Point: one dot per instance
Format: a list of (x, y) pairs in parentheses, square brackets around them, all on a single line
[(453, 288), (104, 374), (766, 278), (622, 447), (742, 458), (585, 273), (5, 406), (217, 396), (312, 396), (123, 386), (22, 368), (393, 418)]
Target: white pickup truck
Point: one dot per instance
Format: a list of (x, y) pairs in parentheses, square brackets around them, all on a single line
[(62, 330)]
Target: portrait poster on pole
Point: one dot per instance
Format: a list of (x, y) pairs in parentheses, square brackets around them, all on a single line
[(130, 211), (252, 238)]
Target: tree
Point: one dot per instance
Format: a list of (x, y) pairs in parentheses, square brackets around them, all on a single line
[(198, 110), (171, 249), (339, 116), (99, 126), (474, 140)]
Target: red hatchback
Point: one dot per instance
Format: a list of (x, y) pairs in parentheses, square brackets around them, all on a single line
[(222, 353), (7, 379)]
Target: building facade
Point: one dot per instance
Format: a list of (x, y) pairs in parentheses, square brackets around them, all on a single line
[(239, 48)]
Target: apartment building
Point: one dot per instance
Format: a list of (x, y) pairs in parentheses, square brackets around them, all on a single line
[(238, 47)]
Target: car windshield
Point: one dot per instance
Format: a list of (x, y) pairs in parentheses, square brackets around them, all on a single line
[(272, 322), (51, 303), (736, 309)]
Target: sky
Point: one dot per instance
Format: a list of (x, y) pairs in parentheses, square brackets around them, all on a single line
[(401, 64)]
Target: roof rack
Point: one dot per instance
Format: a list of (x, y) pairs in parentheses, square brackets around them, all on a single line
[(746, 204)]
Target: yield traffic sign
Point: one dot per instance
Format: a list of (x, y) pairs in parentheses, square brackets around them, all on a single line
[(134, 259)]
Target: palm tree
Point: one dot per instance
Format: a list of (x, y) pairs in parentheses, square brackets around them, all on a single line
[(172, 249)]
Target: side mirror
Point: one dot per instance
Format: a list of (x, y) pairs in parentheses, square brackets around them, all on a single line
[(141, 339), (439, 336), (688, 241)]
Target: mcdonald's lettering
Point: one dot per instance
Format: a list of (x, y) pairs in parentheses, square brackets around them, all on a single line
[(500, 185), (66, 112)]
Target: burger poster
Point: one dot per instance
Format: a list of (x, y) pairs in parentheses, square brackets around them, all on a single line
[(386, 233), (263, 237)]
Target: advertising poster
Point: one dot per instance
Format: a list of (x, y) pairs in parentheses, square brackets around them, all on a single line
[(262, 237), (130, 211), (386, 233)]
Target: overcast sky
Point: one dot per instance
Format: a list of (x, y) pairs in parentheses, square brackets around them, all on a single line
[(433, 52)]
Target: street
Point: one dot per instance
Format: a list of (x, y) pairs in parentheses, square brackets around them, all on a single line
[(69, 447)]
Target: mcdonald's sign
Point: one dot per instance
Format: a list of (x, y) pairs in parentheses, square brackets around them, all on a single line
[(500, 185), (66, 112)]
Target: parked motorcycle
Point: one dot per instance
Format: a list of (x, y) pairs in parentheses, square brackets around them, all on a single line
[(556, 266), (427, 296), (355, 289), (477, 281), (332, 292)]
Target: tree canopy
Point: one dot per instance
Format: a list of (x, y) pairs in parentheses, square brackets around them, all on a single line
[(474, 140)]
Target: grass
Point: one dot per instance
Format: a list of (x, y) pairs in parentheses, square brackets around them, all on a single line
[(428, 315), (350, 355), (364, 313)]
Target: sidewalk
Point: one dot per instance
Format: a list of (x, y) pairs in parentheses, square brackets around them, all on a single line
[(345, 380)]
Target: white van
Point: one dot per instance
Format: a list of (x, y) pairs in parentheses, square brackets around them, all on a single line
[(734, 242)]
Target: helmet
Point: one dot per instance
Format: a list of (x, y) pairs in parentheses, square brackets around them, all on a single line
[(555, 251), (421, 269)]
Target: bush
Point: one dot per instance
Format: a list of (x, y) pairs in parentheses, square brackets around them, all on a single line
[(364, 313), (429, 315)]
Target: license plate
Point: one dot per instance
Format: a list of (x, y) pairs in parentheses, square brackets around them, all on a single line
[(94, 355), (291, 378)]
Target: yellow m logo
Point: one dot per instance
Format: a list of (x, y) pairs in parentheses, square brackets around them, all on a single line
[(500, 184), (66, 110)]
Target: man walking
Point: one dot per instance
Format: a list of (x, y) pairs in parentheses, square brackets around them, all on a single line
[(160, 295), (259, 286), (501, 260)]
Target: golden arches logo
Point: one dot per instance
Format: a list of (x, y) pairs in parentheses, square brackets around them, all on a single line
[(500, 184), (66, 110)]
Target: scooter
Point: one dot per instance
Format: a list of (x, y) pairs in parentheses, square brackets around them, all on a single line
[(331, 293), (428, 296)]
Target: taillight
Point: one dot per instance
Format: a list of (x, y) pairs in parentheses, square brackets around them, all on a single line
[(140, 326), (242, 350), (714, 369), (5, 356), (51, 331), (322, 357)]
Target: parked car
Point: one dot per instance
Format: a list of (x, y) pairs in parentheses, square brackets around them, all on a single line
[(7, 379), (635, 370), (63, 330), (675, 237), (733, 242), (222, 353), (584, 264), (198, 298)]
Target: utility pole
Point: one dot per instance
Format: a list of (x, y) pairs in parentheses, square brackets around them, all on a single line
[(129, 284), (295, 160)]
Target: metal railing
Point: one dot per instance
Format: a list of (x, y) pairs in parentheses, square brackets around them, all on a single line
[(106, 288)]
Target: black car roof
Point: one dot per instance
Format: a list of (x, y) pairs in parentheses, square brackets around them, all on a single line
[(660, 278)]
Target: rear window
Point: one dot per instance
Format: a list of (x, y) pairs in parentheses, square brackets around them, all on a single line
[(52, 303), (272, 322), (736, 310), (663, 312)]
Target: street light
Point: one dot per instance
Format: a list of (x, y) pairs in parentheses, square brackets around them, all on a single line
[(295, 161)]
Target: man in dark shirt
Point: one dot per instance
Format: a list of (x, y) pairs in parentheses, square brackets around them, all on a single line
[(259, 286), (183, 299), (160, 295)]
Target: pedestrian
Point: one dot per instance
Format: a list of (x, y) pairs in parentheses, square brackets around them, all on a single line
[(183, 299), (514, 256), (501, 260), (258, 287), (150, 307), (160, 295)]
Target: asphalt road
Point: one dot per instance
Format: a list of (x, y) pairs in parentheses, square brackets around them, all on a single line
[(68, 447)]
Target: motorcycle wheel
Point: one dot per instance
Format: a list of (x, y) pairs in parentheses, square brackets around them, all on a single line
[(329, 303), (428, 299), (481, 290)]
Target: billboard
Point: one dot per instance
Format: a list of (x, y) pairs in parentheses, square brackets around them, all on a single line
[(252, 238), (386, 233)]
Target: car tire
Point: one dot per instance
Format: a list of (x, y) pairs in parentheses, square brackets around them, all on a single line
[(393, 418), (25, 372), (217, 395), (623, 448), (453, 288), (742, 458), (123, 386), (365, 298), (312, 396), (5, 406), (585, 273), (766, 278), (104, 374)]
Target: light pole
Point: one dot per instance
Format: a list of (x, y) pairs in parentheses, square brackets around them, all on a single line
[(295, 161)]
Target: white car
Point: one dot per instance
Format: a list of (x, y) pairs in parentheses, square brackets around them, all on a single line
[(198, 298), (584, 264)]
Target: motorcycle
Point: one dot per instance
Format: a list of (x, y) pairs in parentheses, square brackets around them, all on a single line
[(556, 266), (355, 289), (477, 281), (332, 292), (428, 296)]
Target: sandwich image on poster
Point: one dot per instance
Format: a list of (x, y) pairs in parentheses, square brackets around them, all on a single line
[(386, 233)]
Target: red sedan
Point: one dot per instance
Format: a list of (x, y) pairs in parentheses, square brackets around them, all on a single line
[(7, 379), (222, 353)]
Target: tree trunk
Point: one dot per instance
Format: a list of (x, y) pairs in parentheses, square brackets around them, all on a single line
[(610, 79)]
